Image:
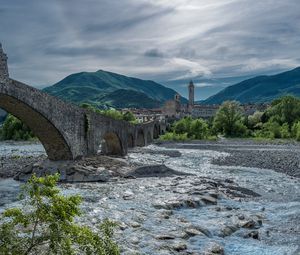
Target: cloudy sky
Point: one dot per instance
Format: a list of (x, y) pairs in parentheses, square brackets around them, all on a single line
[(214, 42)]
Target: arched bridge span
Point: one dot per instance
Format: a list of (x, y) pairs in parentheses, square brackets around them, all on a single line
[(66, 130)]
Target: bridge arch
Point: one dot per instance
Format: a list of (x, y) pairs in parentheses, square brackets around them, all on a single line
[(111, 144), (54, 143)]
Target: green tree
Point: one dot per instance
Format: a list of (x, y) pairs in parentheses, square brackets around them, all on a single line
[(285, 131), (45, 224), (285, 110), (229, 120), (271, 129), (296, 130), (14, 129), (199, 129), (128, 116), (255, 120), (183, 126)]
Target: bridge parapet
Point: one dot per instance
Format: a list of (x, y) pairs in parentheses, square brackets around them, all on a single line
[(4, 76)]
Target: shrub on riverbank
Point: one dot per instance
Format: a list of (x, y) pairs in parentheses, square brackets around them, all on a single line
[(193, 129), (14, 129), (296, 130), (172, 136), (229, 120), (45, 224)]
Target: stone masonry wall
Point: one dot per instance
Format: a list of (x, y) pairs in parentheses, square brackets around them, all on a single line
[(4, 77)]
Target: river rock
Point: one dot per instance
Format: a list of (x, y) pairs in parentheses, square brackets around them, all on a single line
[(135, 224), (153, 171), (208, 199), (228, 230), (179, 246), (165, 237), (166, 213), (251, 224), (214, 249), (193, 232), (253, 234)]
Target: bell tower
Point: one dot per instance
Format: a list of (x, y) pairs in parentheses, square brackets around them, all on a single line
[(4, 76), (191, 95)]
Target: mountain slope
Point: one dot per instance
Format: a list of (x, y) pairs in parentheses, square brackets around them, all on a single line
[(96, 88), (260, 89), (123, 98)]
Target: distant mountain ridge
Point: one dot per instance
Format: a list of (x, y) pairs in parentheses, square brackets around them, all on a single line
[(260, 89), (111, 89)]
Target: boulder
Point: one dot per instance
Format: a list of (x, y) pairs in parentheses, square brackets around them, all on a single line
[(153, 171), (70, 171)]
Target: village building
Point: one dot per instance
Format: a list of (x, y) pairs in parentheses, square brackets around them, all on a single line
[(204, 111), (172, 108)]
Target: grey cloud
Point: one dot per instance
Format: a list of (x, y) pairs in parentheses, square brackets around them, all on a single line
[(94, 51), (117, 24), (154, 53), (158, 40)]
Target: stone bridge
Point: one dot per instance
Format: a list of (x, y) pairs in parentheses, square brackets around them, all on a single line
[(66, 130)]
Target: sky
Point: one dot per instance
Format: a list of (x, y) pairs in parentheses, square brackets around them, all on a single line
[(213, 42)]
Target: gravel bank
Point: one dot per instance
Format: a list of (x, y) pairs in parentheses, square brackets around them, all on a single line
[(281, 156)]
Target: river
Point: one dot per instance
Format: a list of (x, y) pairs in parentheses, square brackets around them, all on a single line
[(148, 226)]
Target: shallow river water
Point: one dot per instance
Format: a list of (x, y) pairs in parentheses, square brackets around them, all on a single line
[(148, 228)]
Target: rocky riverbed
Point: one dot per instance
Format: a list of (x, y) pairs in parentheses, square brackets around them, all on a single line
[(194, 207), (281, 156)]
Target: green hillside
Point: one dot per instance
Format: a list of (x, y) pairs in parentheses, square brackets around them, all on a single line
[(123, 98), (106, 88), (260, 89)]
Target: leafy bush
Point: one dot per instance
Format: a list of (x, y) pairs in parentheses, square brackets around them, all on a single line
[(172, 136), (284, 131), (229, 120), (195, 129), (255, 120), (114, 114), (45, 224), (14, 129), (296, 130), (285, 110), (183, 126), (199, 129), (270, 129)]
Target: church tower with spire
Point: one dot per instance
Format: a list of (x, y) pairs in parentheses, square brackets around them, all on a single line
[(4, 77), (191, 95)]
